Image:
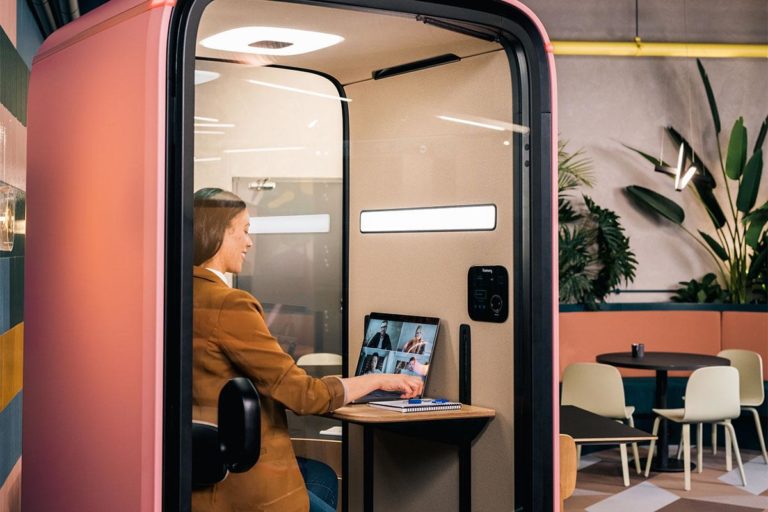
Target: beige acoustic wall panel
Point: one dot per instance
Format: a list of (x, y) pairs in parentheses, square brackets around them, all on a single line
[(404, 153)]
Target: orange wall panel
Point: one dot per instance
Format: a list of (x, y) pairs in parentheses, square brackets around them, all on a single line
[(746, 330), (584, 335)]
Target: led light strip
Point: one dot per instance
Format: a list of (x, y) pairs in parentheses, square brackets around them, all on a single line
[(444, 218)]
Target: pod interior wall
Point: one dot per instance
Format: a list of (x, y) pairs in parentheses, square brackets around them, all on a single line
[(403, 155)]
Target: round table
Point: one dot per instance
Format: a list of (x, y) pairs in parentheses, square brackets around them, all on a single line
[(662, 363)]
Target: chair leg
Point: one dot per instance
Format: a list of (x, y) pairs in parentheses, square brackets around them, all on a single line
[(680, 446), (728, 437), (655, 432), (578, 456), (687, 455), (624, 464), (714, 439), (635, 452), (729, 428), (699, 447), (760, 436)]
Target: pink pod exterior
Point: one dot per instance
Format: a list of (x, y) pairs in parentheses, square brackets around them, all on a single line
[(94, 270), (92, 414)]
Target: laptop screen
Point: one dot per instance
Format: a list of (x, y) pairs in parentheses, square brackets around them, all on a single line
[(398, 344)]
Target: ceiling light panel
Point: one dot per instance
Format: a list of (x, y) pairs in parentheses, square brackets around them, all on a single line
[(270, 41)]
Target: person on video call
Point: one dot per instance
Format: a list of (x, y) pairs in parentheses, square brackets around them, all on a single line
[(373, 364), (416, 345), (231, 339), (412, 367), (381, 338)]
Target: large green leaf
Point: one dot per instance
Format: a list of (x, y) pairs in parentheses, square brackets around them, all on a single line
[(755, 222), (655, 161), (710, 96), (715, 246), (750, 183), (752, 235), (737, 150), (656, 203), (759, 212), (761, 135), (758, 261), (705, 177), (711, 204)]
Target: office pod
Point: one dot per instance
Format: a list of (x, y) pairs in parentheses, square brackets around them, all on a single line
[(397, 162)]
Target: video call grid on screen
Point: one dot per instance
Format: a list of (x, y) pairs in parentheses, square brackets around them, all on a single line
[(405, 346)]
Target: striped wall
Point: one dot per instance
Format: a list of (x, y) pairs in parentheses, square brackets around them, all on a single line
[(19, 39)]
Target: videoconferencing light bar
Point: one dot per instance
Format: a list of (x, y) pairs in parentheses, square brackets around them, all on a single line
[(444, 218)]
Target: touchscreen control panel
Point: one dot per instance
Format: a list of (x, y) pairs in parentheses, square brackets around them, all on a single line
[(488, 293)]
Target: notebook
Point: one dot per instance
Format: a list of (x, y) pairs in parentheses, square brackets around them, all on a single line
[(395, 343), (419, 405)]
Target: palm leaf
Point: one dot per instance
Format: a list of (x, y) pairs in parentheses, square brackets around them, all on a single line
[(710, 96), (715, 246), (737, 150), (750, 183), (573, 169), (656, 203)]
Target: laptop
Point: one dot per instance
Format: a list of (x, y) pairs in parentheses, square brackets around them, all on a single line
[(395, 343)]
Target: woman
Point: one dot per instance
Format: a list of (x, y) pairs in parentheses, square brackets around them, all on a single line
[(415, 345), (373, 364), (231, 339)]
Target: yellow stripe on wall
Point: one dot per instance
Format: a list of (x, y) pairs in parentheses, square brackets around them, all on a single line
[(11, 363)]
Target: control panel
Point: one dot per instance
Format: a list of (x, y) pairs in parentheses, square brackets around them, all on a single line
[(488, 293)]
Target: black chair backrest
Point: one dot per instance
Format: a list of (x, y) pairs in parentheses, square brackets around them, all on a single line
[(207, 466), (236, 443), (239, 425)]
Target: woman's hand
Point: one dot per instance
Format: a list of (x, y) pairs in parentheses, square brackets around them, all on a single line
[(408, 386)]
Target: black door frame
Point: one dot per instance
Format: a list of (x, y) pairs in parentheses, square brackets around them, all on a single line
[(533, 316)]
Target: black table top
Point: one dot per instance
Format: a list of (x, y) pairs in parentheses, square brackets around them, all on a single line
[(589, 428), (662, 360)]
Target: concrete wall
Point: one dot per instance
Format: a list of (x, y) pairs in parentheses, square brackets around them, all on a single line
[(605, 102), (19, 39)]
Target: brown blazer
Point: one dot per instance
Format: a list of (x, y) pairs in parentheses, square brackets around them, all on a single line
[(231, 339)]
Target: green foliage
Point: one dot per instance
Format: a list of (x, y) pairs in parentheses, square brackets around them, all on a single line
[(656, 203), (594, 253), (757, 276), (737, 243), (705, 291)]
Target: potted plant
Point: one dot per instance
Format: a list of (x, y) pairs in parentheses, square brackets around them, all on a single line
[(738, 243), (594, 254)]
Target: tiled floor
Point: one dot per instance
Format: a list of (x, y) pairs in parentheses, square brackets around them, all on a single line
[(599, 486)]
